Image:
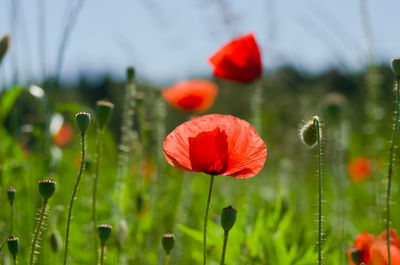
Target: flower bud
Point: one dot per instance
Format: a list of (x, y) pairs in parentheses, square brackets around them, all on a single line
[(308, 133), (168, 241), (4, 45), (83, 121), (130, 73), (103, 112), (55, 240), (13, 245), (11, 191), (396, 66), (355, 255), (228, 218), (47, 187), (104, 231)]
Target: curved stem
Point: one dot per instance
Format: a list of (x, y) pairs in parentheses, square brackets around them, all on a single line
[(317, 128), (390, 169), (73, 197), (102, 255), (226, 233), (38, 231), (205, 221), (99, 142)]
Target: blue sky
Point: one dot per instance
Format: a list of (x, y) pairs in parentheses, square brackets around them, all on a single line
[(170, 40)]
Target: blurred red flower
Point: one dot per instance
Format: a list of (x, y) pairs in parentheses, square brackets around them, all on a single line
[(359, 169), (64, 135), (216, 145), (195, 95), (239, 60), (360, 249)]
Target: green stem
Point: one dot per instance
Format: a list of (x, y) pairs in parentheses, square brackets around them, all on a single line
[(15, 260), (317, 128), (99, 142), (12, 219), (73, 197), (38, 231), (226, 233), (102, 255), (166, 261), (390, 170), (205, 221)]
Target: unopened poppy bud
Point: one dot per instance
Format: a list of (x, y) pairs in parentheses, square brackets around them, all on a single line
[(355, 255), (308, 133), (130, 73), (11, 191), (103, 112), (396, 66), (168, 241), (4, 45), (55, 240), (228, 218), (83, 121), (104, 231), (13, 245), (47, 187)]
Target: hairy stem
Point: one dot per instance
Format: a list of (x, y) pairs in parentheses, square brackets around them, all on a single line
[(317, 128), (205, 221), (102, 255), (166, 261), (38, 232), (99, 143), (226, 233), (390, 169), (73, 197)]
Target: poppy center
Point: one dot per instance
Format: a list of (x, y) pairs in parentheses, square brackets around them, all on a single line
[(208, 152), (190, 102)]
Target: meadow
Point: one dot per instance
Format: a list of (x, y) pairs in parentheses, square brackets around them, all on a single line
[(327, 141)]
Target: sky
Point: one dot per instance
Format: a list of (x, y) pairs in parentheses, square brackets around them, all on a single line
[(170, 40)]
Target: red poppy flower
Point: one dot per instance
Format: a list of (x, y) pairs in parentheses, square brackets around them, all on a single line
[(191, 95), (378, 250), (360, 251), (359, 169), (64, 135), (216, 145), (239, 60)]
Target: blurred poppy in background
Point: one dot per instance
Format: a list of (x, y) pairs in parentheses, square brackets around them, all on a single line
[(216, 145), (195, 95), (359, 169), (239, 60), (64, 136), (359, 252)]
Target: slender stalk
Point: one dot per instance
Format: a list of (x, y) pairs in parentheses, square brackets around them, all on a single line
[(15, 260), (38, 232), (226, 233), (12, 219), (390, 169), (166, 261), (99, 143), (205, 221), (317, 128), (73, 197), (102, 255)]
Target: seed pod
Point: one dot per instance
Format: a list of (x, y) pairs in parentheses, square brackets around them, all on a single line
[(168, 241), (104, 231), (130, 73), (47, 187), (396, 66), (308, 132), (83, 121), (11, 192), (228, 218), (103, 112), (4, 45), (13, 245), (55, 240)]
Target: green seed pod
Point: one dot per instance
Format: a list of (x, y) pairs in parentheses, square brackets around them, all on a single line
[(355, 255), (11, 192), (168, 241), (47, 187), (396, 66), (130, 73), (104, 231), (103, 112), (4, 46), (308, 133), (55, 240), (228, 218), (13, 245), (83, 121)]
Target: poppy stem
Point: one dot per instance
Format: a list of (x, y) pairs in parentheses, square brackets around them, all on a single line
[(317, 128), (166, 262), (390, 169), (226, 233), (73, 196), (102, 254), (205, 221), (99, 143), (38, 233)]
